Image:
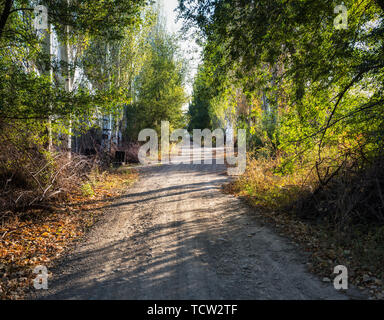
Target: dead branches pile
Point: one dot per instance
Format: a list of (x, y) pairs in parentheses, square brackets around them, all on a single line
[(37, 183), (31, 176)]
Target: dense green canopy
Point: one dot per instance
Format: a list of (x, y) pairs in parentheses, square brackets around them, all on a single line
[(312, 89)]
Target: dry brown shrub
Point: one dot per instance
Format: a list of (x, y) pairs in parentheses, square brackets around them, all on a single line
[(30, 176), (353, 196)]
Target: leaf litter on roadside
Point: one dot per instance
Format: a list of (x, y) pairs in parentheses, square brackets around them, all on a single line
[(41, 236)]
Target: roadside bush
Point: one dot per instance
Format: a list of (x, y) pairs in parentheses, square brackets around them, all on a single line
[(353, 197), (87, 190), (266, 188)]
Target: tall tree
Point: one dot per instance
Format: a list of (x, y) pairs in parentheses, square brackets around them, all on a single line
[(159, 88)]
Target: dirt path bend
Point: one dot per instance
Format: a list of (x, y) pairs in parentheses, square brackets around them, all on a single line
[(176, 236)]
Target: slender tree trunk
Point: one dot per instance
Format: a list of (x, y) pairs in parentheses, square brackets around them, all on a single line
[(66, 78), (5, 15), (48, 47), (69, 89), (106, 142), (120, 117), (46, 69)]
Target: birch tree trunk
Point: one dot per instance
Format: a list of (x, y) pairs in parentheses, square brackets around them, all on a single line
[(66, 77), (48, 48), (107, 127)]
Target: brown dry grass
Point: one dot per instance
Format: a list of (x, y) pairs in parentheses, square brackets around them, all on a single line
[(267, 189)]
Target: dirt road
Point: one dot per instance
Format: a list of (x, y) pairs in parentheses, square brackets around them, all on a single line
[(176, 236)]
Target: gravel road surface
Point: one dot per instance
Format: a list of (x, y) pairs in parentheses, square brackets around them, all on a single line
[(175, 235)]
